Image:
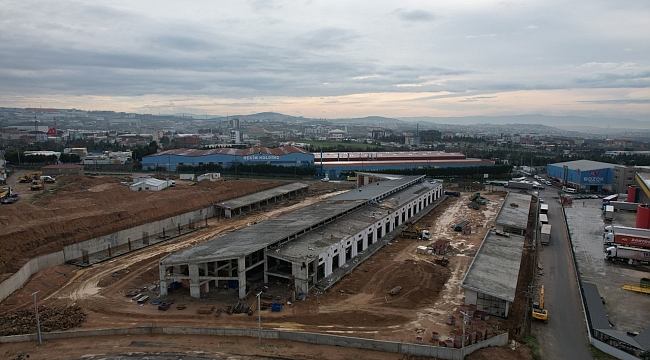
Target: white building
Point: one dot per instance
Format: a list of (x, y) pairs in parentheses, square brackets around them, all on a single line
[(150, 184)]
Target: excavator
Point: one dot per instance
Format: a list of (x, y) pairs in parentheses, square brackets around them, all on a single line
[(539, 312), (37, 185), (34, 175), (412, 231)]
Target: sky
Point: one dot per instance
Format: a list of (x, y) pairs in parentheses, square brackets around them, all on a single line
[(329, 58)]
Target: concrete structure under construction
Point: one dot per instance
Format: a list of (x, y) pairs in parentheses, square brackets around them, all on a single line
[(513, 215), (304, 246), (252, 202), (491, 281)]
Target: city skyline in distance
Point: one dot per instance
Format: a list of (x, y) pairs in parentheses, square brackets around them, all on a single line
[(329, 60)]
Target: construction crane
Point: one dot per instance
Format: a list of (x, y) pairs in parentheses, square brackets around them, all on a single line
[(539, 312)]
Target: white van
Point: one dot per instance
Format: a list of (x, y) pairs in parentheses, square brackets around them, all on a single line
[(569, 190)]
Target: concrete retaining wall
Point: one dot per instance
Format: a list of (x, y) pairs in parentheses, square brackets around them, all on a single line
[(310, 338), (18, 279), (170, 225), (74, 251)]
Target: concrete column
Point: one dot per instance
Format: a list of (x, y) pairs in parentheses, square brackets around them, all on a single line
[(300, 274), (207, 286), (365, 241), (328, 265), (241, 274), (195, 289), (314, 265), (163, 280), (266, 269), (341, 255)]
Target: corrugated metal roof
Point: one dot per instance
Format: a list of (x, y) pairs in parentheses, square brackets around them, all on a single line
[(584, 165), (595, 309), (643, 339), (232, 151)]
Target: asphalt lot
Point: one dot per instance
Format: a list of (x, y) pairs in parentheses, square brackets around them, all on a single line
[(628, 311)]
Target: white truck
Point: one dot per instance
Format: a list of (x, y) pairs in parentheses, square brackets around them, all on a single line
[(520, 185), (546, 234), (631, 255), (627, 236), (609, 212), (624, 205)]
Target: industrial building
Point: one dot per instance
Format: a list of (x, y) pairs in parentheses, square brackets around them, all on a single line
[(302, 247), (332, 164), (226, 157), (491, 280), (513, 215), (583, 175)]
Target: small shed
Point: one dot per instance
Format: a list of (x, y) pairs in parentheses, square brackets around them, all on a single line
[(149, 184)]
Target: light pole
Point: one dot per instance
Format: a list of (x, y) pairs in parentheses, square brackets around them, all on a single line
[(259, 318), (462, 344), (38, 324)]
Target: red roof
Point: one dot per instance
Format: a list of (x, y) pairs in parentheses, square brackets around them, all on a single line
[(232, 151)]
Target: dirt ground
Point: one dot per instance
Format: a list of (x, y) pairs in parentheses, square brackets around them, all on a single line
[(359, 305)]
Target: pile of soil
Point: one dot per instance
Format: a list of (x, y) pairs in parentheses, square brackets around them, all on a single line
[(51, 319), (79, 208)]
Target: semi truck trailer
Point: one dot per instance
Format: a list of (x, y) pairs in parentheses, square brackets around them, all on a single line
[(628, 254), (627, 236), (546, 234)]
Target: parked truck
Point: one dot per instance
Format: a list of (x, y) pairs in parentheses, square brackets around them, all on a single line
[(624, 205), (412, 231), (520, 185), (628, 236), (631, 255), (609, 212), (546, 234)]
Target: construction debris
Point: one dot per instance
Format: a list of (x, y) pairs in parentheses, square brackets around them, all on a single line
[(51, 319)]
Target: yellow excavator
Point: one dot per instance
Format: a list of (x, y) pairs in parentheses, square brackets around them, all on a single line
[(34, 175), (539, 312)]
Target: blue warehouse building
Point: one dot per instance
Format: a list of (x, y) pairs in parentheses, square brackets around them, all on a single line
[(583, 175), (282, 156)]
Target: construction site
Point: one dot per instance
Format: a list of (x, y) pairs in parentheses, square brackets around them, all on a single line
[(379, 260)]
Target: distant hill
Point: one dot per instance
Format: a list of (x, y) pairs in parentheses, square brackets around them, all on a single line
[(556, 121)]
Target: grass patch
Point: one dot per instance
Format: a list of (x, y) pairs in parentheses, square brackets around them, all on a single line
[(531, 342), (599, 355)]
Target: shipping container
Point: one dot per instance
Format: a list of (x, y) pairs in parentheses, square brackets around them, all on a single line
[(622, 205), (610, 198)]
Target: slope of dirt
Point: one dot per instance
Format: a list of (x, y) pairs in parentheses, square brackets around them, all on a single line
[(78, 208)]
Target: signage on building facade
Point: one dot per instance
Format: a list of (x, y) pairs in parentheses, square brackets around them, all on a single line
[(593, 177), (261, 157)]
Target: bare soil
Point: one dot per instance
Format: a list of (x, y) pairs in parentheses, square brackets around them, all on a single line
[(359, 305)]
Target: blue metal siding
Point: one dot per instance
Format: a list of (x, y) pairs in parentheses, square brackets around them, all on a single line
[(170, 162)]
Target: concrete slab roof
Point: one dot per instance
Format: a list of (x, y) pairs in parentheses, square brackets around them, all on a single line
[(514, 211), (495, 268), (316, 242), (377, 189), (584, 165), (261, 196), (643, 179), (261, 235)]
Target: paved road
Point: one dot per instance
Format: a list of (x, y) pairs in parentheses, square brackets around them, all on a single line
[(565, 335)]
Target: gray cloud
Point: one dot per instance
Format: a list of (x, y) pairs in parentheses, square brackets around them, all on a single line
[(415, 15)]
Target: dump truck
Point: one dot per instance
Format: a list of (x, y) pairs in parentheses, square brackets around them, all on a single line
[(539, 312), (628, 236), (478, 199), (545, 234), (631, 255)]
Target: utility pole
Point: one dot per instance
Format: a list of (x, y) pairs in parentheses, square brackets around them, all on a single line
[(259, 319), (38, 324)]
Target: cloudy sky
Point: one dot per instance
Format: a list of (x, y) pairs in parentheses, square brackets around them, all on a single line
[(329, 58)]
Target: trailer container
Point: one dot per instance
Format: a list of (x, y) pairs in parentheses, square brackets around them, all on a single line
[(609, 212), (628, 236), (623, 205), (520, 185), (628, 254), (545, 234), (543, 208), (610, 198), (459, 227)]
